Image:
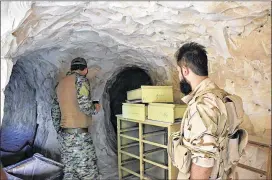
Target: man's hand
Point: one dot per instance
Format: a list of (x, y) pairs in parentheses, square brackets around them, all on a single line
[(97, 107)]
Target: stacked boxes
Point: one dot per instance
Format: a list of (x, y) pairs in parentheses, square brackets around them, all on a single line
[(152, 102), (143, 131)]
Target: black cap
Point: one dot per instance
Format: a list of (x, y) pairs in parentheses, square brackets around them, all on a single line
[(79, 61)]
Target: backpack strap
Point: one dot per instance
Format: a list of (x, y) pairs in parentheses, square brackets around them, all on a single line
[(226, 97), (220, 93), (238, 104), (175, 139)]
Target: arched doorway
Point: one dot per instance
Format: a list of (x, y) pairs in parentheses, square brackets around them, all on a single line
[(128, 79)]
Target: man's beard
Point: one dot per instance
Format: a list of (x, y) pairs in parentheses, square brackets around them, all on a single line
[(185, 87)]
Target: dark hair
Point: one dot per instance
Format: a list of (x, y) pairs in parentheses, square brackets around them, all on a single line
[(78, 67), (193, 56)]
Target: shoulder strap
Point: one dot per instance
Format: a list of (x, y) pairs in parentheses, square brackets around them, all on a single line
[(220, 93)]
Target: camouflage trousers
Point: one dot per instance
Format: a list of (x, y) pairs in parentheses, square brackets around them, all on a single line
[(78, 156)]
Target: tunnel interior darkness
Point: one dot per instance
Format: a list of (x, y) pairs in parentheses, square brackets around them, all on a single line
[(128, 79)]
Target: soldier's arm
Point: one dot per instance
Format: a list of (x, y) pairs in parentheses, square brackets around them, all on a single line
[(203, 156), (198, 172), (84, 96), (205, 134), (56, 114)]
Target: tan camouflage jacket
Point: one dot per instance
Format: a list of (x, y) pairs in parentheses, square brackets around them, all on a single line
[(83, 96), (204, 123)]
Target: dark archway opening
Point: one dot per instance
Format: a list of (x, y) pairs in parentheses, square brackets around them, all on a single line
[(128, 79)]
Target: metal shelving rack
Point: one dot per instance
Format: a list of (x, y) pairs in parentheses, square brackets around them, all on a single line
[(140, 156)]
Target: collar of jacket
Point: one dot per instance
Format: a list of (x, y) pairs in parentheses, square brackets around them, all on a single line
[(203, 85), (72, 72)]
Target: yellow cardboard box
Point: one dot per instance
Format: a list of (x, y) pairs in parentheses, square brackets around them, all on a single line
[(150, 94), (134, 111), (165, 112)]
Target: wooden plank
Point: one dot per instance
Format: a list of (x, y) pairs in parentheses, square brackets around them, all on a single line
[(172, 127), (159, 123), (151, 151), (127, 161), (128, 124), (128, 177), (170, 165), (252, 169), (148, 121), (141, 150), (154, 133), (131, 172), (129, 154), (155, 163), (165, 155), (173, 171), (130, 145), (119, 148), (129, 129), (261, 141), (268, 170), (149, 177), (155, 144), (148, 169), (129, 137)]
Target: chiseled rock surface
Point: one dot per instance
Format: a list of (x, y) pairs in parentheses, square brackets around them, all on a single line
[(44, 38)]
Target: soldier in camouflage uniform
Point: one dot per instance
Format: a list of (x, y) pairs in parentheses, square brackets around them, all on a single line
[(205, 119), (71, 114)]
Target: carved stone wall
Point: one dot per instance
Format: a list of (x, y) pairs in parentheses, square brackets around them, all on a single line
[(116, 35)]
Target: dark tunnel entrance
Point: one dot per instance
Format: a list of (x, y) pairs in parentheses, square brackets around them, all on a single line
[(128, 79)]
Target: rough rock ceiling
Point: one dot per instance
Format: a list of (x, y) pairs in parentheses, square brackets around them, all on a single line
[(43, 37)]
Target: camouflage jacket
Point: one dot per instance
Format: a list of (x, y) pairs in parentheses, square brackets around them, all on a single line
[(83, 96), (204, 123)]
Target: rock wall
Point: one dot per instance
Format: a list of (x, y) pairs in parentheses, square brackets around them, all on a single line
[(115, 35)]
